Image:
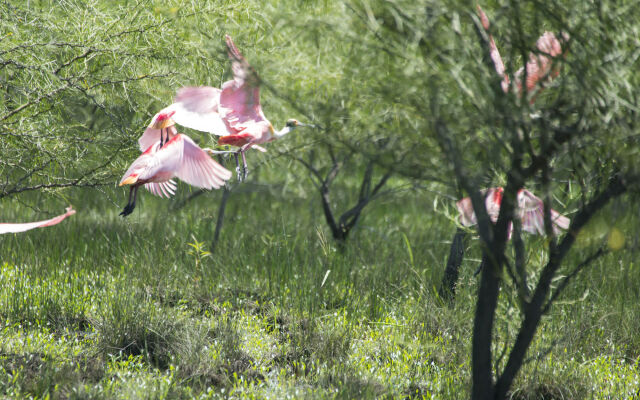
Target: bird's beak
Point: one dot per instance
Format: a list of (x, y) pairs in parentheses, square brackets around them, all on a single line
[(307, 125), (129, 181)]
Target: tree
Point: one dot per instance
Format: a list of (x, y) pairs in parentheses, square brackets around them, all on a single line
[(576, 141), (66, 93)]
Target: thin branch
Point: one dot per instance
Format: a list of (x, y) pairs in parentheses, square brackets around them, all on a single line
[(563, 284), (34, 101)]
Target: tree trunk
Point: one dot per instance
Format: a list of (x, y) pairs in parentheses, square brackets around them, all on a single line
[(452, 271), (221, 209), (482, 371)]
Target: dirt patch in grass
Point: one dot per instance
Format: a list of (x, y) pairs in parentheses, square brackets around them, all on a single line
[(309, 343), (352, 387), (39, 376), (546, 391)]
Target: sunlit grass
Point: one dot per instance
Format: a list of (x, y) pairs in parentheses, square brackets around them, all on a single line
[(102, 306)]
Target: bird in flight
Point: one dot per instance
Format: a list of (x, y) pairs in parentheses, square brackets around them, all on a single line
[(232, 112), (540, 67), (22, 227), (529, 209), (179, 157)]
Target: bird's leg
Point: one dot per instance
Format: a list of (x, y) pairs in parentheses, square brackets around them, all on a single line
[(161, 137), (128, 209), (238, 167), (245, 170), (124, 211)]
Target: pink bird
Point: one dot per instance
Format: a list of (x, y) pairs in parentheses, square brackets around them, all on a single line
[(540, 65), (530, 211), (178, 157), (233, 112), (15, 228)]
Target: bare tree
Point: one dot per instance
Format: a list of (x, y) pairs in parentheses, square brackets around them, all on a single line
[(369, 190)]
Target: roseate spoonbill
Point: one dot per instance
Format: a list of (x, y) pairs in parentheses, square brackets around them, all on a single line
[(178, 157), (15, 228), (530, 211), (233, 112), (540, 65)]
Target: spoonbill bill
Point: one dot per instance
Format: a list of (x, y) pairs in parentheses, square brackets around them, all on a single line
[(178, 157), (529, 209), (22, 227), (539, 67), (233, 112)]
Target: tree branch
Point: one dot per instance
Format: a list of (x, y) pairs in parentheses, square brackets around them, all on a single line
[(533, 312)]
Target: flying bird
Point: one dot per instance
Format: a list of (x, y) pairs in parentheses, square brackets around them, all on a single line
[(530, 211), (22, 227), (539, 67), (177, 157), (232, 112)]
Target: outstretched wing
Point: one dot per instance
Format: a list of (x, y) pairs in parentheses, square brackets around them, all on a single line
[(140, 165), (162, 189), (195, 108), (531, 213), (540, 64), (539, 67), (15, 228), (197, 168), (198, 108), (493, 50), (492, 201), (240, 97), (156, 163)]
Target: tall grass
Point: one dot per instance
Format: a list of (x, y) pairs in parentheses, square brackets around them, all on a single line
[(280, 309)]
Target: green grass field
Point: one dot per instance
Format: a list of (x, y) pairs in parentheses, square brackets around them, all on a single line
[(104, 307)]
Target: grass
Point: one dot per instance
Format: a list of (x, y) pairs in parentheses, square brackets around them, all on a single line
[(101, 307)]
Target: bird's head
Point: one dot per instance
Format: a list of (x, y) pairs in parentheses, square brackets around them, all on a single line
[(163, 120), (290, 126), (293, 123)]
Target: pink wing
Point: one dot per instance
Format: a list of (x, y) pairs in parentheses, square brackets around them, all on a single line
[(197, 168), (199, 99), (240, 97), (139, 167), (539, 66), (492, 200), (198, 108), (531, 213), (162, 189), (467, 217), (15, 228), (493, 50)]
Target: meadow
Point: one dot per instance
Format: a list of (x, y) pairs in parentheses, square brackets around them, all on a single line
[(145, 307), (101, 307)]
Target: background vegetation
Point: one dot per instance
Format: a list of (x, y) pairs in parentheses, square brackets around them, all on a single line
[(101, 306)]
